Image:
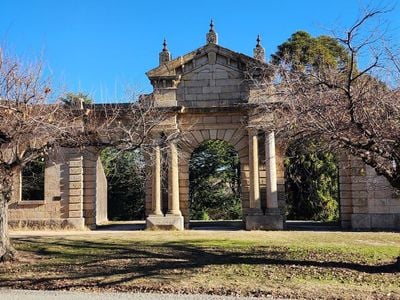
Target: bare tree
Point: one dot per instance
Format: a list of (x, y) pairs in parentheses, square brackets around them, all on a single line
[(353, 106), (31, 126)]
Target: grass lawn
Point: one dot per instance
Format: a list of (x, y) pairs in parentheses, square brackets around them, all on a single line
[(278, 263)]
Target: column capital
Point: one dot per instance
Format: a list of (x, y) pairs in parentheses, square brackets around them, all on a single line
[(252, 131), (268, 132)]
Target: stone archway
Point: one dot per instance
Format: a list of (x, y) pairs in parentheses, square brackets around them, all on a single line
[(230, 125), (236, 137)]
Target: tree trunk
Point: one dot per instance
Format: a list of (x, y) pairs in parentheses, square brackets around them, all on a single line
[(7, 252)]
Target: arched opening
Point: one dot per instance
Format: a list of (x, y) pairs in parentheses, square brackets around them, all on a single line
[(214, 184), (125, 174), (312, 185)]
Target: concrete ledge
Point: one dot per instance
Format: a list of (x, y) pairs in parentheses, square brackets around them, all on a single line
[(168, 222), (264, 222)]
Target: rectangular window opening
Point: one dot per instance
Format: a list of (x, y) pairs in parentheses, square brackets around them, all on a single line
[(32, 177)]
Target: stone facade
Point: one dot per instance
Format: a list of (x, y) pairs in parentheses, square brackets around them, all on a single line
[(75, 194), (211, 98)]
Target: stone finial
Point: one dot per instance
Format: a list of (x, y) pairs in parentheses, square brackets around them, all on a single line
[(165, 55), (259, 51), (212, 36)]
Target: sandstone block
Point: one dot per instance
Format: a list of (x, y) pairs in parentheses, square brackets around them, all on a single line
[(361, 221), (75, 214)]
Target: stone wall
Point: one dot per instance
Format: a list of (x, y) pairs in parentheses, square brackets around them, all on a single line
[(211, 85), (367, 200), (75, 194), (52, 211)]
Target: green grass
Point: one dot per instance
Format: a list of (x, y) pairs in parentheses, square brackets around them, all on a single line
[(283, 264)]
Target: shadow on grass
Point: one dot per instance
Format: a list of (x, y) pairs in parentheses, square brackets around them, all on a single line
[(78, 264)]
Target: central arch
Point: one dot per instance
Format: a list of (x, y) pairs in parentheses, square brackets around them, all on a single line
[(235, 136), (214, 183)]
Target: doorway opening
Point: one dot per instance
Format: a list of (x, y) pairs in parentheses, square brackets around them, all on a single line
[(125, 173), (312, 186)]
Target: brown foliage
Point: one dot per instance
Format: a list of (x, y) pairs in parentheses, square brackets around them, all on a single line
[(31, 125), (349, 108)]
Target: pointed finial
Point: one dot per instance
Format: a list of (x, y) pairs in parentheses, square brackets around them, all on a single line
[(165, 45), (212, 36), (258, 51), (258, 40), (164, 55)]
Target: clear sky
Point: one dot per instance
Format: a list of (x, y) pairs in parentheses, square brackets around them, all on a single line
[(101, 46)]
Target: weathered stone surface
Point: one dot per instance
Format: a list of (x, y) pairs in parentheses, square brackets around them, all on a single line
[(361, 221), (168, 222), (264, 222)]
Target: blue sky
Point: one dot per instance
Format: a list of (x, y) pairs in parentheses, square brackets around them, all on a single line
[(102, 46)]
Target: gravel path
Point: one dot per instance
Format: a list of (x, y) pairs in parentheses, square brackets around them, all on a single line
[(64, 295)]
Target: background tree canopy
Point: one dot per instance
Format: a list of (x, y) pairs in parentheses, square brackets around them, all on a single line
[(303, 51), (311, 175), (75, 98), (215, 182)]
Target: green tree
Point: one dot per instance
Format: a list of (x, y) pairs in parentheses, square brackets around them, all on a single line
[(125, 184), (311, 175), (76, 98), (302, 51), (312, 183), (215, 182)]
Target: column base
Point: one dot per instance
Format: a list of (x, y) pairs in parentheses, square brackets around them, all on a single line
[(168, 222), (76, 223), (254, 212), (264, 222)]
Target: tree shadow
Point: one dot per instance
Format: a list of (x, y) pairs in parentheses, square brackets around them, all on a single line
[(79, 263)]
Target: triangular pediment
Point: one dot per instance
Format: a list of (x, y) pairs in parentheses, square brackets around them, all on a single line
[(210, 54)]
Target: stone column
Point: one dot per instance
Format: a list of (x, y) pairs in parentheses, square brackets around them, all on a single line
[(255, 203), (157, 182), (173, 180), (173, 219), (270, 166)]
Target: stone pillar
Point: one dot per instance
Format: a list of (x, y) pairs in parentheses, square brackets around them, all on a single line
[(270, 167), (157, 182), (75, 190), (272, 219), (255, 203), (173, 180), (173, 219)]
